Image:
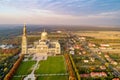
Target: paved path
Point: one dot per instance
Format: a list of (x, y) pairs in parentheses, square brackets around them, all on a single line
[(32, 75), (59, 74), (35, 67)]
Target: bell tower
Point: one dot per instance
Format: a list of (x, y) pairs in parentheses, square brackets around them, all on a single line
[(24, 40)]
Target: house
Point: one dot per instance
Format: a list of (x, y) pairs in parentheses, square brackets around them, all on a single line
[(5, 46), (91, 45), (85, 75), (115, 79), (86, 61), (98, 74), (104, 45)]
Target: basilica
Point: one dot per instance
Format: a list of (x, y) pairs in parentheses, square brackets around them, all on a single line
[(42, 47)]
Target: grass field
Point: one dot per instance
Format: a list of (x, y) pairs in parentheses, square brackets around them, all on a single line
[(17, 78), (25, 68), (53, 78), (52, 65)]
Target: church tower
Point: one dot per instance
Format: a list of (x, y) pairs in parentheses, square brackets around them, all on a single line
[(24, 40)]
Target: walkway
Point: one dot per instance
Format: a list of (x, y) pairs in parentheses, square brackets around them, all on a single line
[(32, 75), (60, 74)]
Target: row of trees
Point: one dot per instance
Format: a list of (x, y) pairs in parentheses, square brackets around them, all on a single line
[(74, 67), (14, 68), (10, 51), (70, 69)]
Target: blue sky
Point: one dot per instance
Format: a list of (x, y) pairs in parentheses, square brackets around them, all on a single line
[(70, 12)]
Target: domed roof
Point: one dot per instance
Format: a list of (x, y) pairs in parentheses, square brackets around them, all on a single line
[(44, 35)]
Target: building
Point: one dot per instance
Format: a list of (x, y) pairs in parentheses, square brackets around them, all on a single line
[(7, 46), (42, 47), (98, 74)]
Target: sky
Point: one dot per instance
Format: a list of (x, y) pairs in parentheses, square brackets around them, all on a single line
[(65, 12)]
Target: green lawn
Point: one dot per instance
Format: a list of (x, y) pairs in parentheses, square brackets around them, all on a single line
[(25, 68), (17, 78), (53, 65), (53, 78)]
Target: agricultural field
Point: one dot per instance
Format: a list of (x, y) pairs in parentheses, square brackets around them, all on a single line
[(100, 34)]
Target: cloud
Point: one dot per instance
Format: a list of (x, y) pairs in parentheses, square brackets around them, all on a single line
[(105, 15), (72, 7), (61, 11)]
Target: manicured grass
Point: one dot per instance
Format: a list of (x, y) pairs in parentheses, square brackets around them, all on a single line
[(25, 68), (53, 78), (53, 65), (17, 78)]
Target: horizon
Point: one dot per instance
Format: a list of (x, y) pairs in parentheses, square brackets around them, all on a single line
[(61, 12), (58, 25), (65, 25)]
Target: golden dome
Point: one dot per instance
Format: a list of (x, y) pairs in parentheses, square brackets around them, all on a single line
[(44, 35)]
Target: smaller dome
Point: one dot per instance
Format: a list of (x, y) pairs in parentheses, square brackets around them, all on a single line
[(44, 35)]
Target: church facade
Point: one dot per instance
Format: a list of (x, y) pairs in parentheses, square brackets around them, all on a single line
[(42, 47)]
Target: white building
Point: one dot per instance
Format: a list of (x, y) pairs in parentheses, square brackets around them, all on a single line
[(44, 46)]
